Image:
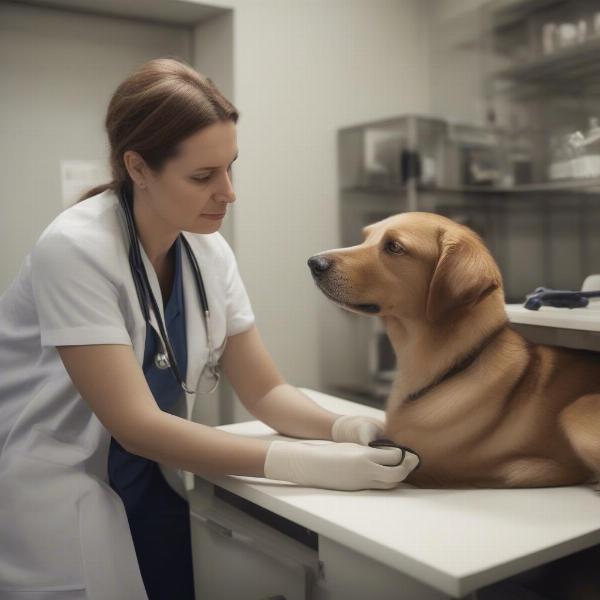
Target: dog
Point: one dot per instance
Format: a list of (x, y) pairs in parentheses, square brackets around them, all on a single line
[(482, 406)]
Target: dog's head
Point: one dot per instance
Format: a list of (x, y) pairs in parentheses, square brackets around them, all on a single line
[(415, 265)]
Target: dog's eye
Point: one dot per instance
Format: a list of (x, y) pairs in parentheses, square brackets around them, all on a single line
[(395, 247)]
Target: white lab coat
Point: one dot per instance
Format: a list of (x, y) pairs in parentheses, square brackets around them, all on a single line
[(64, 532)]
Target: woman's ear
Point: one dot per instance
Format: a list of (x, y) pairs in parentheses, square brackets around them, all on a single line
[(464, 275)]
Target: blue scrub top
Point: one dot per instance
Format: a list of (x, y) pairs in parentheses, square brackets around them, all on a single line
[(131, 474), (158, 517)]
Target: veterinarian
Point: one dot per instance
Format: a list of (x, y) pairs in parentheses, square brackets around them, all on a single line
[(119, 319)]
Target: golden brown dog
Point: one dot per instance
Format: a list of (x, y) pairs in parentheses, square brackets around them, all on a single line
[(481, 405)]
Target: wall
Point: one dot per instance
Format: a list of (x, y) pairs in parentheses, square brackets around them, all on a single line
[(59, 69), (303, 70)]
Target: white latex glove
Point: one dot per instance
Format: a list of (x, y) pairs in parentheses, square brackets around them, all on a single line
[(357, 429), (344, 466)]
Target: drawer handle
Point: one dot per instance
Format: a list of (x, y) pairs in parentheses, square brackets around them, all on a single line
[(246, 539)]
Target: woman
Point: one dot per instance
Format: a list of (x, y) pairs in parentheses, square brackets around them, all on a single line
[(88, 411)]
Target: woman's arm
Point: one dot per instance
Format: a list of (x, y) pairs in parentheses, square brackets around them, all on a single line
[(262, 390), (110, 380)]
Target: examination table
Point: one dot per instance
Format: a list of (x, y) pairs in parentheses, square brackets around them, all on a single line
[(257, 539)]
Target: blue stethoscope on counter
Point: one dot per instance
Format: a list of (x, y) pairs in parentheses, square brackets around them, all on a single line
[(165, 358), (542, 296)]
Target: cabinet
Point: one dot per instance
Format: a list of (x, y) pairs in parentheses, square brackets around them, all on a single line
[(237, 555)]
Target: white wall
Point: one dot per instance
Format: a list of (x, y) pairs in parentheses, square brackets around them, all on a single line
[(303, 70), (58, 70)]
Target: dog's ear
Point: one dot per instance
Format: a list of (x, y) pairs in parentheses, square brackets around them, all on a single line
[(464, 275)]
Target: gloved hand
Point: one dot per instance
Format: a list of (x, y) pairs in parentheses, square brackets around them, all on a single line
[(344, 466), (357, 429)]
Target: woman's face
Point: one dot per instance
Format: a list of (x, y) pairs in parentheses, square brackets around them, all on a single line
[(197, 182)]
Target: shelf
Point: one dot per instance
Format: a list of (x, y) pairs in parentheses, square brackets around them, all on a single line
[(507, 13), (388, 190), (572, 328), (589, 185), (568, 64), (581, 319), (500, 16)]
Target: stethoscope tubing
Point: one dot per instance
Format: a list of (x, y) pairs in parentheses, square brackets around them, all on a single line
[(144, 292)]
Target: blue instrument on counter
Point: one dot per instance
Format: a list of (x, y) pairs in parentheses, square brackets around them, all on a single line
[(542, 296)]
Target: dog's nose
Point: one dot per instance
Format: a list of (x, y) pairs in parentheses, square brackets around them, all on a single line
[(319, 264)]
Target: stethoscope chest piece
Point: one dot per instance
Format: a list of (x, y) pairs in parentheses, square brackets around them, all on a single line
[(161, 360)]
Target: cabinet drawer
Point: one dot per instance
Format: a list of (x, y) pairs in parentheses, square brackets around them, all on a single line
[(238, 556)]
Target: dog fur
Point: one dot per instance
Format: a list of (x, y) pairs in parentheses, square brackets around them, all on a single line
[(481, 405)]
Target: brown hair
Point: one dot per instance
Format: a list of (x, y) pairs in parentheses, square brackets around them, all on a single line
[(156, 107)]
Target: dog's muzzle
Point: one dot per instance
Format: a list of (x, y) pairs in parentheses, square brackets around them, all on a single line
[(319, 266)]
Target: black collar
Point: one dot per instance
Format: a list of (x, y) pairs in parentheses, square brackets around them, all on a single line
[(461, 365)]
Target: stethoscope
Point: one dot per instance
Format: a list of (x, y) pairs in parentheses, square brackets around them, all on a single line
[(164, 358), (542, 296)]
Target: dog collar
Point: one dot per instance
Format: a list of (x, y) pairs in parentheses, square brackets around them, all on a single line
[(461, 365)]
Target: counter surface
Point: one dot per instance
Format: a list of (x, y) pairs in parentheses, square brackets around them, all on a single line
[(449, 539), (583, 319)]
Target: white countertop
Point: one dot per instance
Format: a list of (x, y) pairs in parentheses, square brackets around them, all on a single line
[(454, 540), (582, 319)]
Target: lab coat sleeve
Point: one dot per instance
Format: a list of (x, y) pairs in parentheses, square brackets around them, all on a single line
[(76, 295), (240, 316)]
